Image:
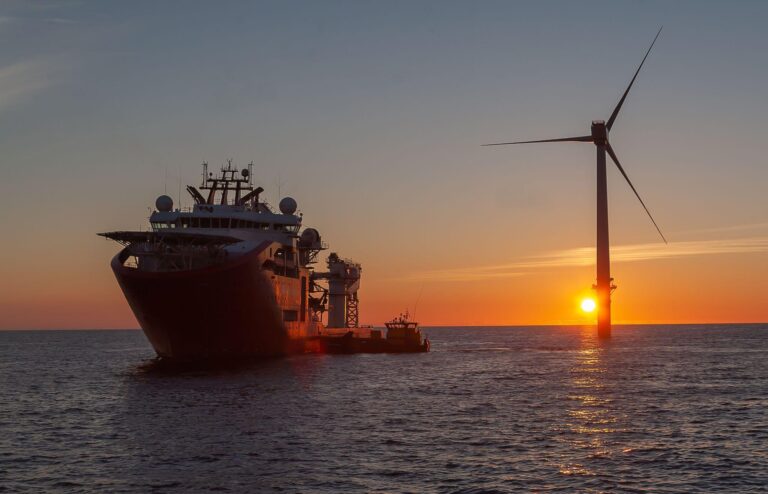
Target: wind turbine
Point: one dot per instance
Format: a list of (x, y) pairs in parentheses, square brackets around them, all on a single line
[(599, 137)]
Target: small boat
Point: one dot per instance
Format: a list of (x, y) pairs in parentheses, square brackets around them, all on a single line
[(404, 333), (402, 336)]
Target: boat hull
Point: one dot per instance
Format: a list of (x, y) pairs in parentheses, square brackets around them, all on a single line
[(215, 313)]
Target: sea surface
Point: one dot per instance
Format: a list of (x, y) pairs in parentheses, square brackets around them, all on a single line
[(518, 409)]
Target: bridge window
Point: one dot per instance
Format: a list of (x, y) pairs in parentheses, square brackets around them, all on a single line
[(290, 315)]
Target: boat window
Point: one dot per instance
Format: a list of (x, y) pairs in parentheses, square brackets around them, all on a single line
[(290, 315)]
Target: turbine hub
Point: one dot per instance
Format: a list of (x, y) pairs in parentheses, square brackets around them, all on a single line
[(599, 132)]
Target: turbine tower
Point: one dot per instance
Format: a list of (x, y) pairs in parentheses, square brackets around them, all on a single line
[(599, 136)]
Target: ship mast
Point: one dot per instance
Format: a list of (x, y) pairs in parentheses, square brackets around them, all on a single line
[(229, 180)]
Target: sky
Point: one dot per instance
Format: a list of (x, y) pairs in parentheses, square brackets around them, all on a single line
[(371, 114)]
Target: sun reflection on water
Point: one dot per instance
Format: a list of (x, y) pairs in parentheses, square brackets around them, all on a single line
[(590, 420)]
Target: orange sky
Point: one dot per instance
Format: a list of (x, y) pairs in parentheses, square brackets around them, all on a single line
[(704, 287), (372, 115)]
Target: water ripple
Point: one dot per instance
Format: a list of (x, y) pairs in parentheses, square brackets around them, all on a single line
[(660, 409)]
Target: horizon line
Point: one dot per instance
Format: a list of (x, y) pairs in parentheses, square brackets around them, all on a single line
[(446, 326)]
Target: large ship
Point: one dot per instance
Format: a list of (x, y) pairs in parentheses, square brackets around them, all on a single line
[(231, 277)]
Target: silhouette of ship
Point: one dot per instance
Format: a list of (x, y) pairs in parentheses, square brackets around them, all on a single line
[(231, 277)]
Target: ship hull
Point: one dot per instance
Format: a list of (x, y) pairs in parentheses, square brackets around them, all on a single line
[(220, 312)]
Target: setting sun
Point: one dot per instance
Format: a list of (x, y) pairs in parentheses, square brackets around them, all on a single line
[(588, 305)]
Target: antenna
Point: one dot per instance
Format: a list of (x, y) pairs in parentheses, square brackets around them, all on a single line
[(416, 305), (280, 184), (178, 198)]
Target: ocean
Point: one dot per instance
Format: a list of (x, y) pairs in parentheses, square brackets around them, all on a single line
[(491, 409)]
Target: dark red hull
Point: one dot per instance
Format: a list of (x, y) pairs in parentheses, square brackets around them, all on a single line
[(351, 344), (225, 311)]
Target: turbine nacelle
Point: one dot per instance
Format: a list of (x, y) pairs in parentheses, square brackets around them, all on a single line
[(599, 132)]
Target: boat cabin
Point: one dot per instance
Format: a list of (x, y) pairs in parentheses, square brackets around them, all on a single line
[(401, 328), (231, 203)]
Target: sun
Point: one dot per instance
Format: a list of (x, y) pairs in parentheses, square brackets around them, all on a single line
[(588, 305)]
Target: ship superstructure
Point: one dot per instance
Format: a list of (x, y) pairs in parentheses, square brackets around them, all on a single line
[(230, 276)]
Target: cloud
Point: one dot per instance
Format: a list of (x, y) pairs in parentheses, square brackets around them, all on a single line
[(725, 229), (21, 79), (585, 256), (6, 20), (461, 274), (21, 22), (647, 252)]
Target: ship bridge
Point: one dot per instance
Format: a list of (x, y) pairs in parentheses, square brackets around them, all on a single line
[(231, 203)]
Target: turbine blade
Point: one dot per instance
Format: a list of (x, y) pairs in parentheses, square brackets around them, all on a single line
[(621, 169), (621, 101), (564, 139)]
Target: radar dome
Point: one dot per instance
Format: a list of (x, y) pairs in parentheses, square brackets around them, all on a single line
[(309, 237), (288, 205), (164, 204)]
